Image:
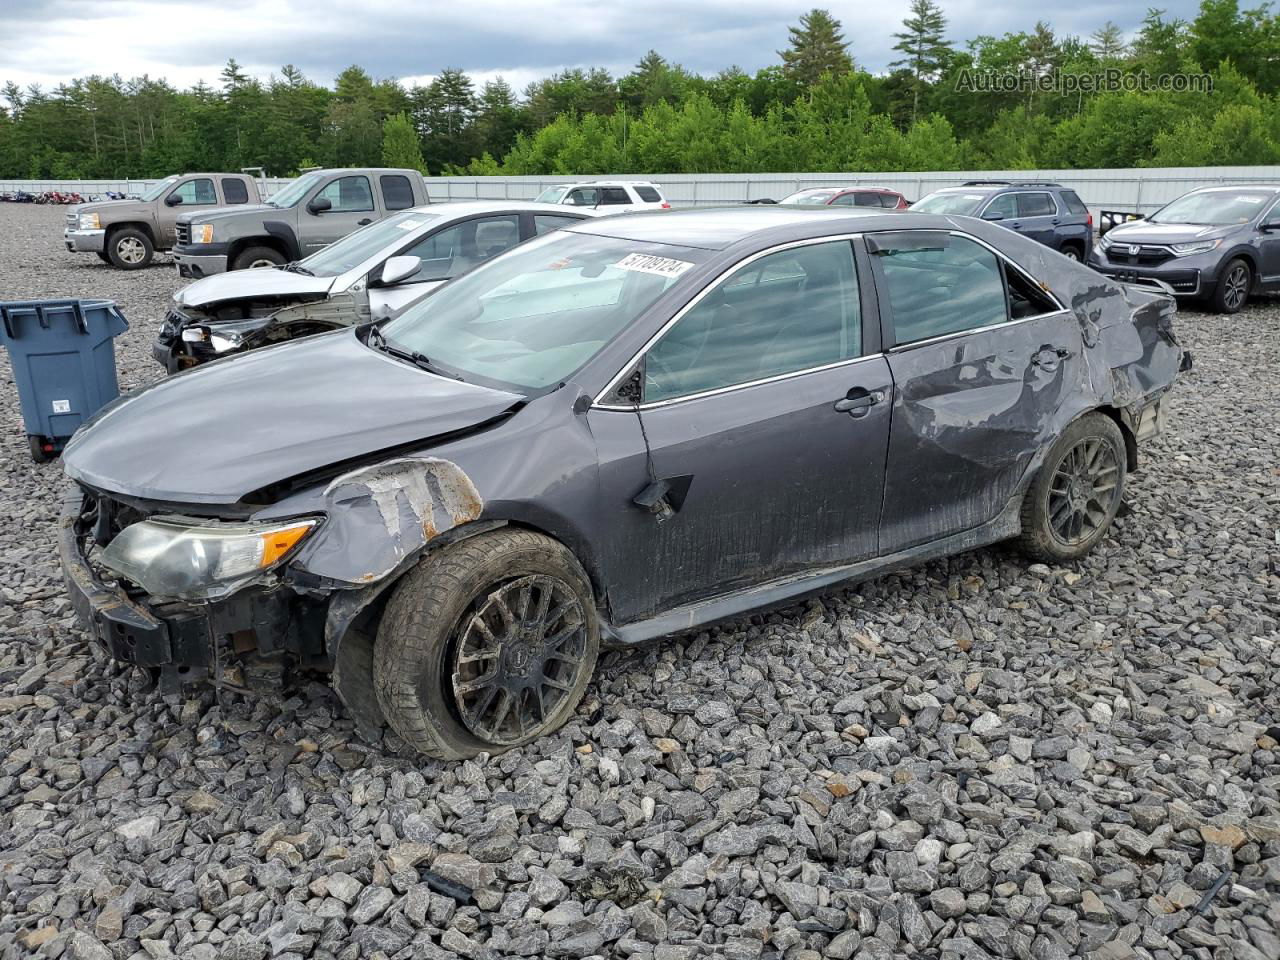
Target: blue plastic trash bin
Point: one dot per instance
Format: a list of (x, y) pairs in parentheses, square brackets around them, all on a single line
[(64, 364)]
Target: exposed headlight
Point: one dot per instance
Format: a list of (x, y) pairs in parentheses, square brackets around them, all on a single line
[(220, 342), (173, 559), (1198, 246), (202, 233), (90, 221)]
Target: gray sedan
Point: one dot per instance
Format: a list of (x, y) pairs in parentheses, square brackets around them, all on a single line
[(631, 427)]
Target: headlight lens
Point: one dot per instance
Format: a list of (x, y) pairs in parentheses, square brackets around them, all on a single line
[(202, 233), (1199, 246), (1105, 241), (90, 221), (172, 559)]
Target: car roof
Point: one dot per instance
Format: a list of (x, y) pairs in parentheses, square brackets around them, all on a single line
[(613, 183), (464, 208), (1273, 187), (719, 227)]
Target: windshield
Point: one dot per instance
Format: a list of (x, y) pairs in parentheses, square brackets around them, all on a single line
[(533, 316), (814, 198), (1216, 208), (960, 204), (355, 248), (159, 188), (552, 195), (294, 190)]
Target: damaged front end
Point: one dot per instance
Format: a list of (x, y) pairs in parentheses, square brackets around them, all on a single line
[(243, 602), (192, 335)]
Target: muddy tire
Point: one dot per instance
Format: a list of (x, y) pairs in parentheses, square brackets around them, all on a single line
[(1232, 290), (1076, 493), (130, 249), (257, 257), (486, 644)]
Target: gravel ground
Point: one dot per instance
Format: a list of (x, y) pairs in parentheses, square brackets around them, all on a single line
[(977, 758)]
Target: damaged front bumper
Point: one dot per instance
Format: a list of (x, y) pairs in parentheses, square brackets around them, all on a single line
[(178, 641), (85, 241)]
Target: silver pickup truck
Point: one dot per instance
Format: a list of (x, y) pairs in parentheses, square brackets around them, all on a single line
[(305, 215), (127, 233)]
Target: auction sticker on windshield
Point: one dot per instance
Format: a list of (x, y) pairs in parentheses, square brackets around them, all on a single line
[(410, 224), (646, 263)]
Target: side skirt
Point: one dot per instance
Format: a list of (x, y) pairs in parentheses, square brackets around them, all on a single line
[(781, 592)]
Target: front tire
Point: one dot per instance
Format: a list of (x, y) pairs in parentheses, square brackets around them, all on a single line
[(486, 645), (1232, 290), (1072, 252), (1076, 493), (252, 257), (130, 249)]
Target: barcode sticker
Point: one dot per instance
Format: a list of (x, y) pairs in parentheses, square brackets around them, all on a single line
[(62, 406)]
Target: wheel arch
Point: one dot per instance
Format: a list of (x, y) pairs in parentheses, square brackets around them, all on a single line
[(240, 244), (114, 228)]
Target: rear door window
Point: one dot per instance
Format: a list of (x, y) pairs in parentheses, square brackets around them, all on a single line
[(938, 283), (866, 199), (199, 191), (1036, 205), (648, 194), (234, 191), (397, 194), (348, 194), (614, 196)]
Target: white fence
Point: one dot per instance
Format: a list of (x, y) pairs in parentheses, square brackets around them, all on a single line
[(1142, 189)]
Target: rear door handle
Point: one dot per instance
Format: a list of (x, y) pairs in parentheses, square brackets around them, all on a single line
[(857, 401)]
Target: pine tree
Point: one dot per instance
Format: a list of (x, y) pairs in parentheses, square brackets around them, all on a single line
[(400, 147), (817, 47), (1107, 43), (923, 43)]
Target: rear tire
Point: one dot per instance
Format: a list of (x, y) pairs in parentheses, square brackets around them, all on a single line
[(252, 257), (1076, 493), (486, 645), (130, 249), (1232, 290)]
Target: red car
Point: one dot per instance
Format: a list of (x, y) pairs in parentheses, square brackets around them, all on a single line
[(848, 197)]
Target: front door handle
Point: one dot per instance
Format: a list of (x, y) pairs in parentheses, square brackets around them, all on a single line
[(857, 401), (364, 223)]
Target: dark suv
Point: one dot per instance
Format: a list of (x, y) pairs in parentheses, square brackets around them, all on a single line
[(1048, 213), (1217, 243)]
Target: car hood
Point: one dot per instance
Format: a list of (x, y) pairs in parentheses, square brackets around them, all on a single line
[(240, 284), (220, 432), (214, 214), (111, 206), (1144, 231)]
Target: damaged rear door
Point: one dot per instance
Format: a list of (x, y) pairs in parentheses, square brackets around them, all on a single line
[(982, 359), (763, 416)]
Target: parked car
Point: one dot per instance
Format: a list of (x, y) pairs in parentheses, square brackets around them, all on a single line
[(127, 233), (308, 213), (630, 427), (375, 273), (1216, 244), (618, 196), (1048, 213), (847, 197)]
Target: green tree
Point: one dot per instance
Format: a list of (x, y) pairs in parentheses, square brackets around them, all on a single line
[(400, 147), (816, 47), (1107, 42), (923, 45)]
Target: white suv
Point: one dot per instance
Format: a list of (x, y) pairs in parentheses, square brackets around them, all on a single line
[(611, 196)]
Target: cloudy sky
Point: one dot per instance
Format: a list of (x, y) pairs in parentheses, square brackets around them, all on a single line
[(51, 41)]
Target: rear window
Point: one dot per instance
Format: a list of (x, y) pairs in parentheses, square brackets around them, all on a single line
[(235, 191), (1073, 202), (648, 194), (397, 194), (1036, 205)]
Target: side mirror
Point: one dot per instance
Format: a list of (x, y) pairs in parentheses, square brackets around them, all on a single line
[(173, 200), (399, 268), (320, 205), (993, 215), (1270, 226)]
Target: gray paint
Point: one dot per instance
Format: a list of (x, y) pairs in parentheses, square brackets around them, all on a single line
[(784, 492)]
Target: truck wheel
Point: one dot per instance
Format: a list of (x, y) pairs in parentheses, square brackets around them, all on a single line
[(1232, 290), (486, 644), (1076, 493), (257, 257), (130, 249)]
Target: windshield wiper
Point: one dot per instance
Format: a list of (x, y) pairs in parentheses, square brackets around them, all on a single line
[(378, 340), (297, 267)]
